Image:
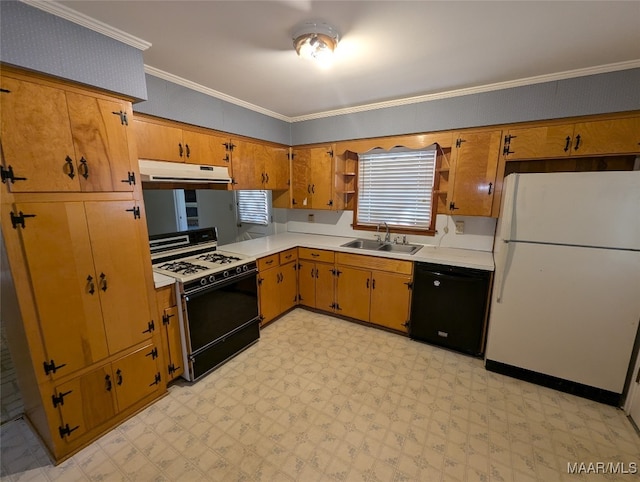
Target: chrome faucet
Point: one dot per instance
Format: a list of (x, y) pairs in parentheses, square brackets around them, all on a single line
[(387, 237)]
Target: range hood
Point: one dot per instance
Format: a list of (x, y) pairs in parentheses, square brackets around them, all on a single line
[(159, 171)]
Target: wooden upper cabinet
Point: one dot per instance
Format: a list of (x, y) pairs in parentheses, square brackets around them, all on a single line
[(99, 133), (61, 140), (312, 178), (589, 138), (117, 253), (36, 137), (158, 142), (259, 166), (206, 149), (615, 136), (65, 285), (472, 183), (538, 142)]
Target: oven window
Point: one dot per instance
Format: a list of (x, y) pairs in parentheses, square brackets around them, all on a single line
[(215, 313)]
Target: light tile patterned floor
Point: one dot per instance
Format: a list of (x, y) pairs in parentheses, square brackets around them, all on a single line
[(323, 399)]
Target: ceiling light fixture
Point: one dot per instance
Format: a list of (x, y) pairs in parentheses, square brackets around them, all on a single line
[(316, 41)]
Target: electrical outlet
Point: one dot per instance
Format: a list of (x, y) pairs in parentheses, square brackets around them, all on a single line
[(459, 227), (311, 218)]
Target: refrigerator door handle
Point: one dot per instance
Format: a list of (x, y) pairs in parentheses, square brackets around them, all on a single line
[(502, 263)]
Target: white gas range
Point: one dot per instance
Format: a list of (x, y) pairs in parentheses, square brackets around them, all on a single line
[(218, 293)]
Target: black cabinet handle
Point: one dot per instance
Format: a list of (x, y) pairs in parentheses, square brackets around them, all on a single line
[(266, 175), (373, 284), (83, 168), (313, 189), (107, 383), (180, 150), (119, 377), (309, 188), (90, 285), (103, 282), (567, 144), (490, 188), (367, 282), (577, 146), (262, 178), (68, 168), (315, 255), (188, 150)]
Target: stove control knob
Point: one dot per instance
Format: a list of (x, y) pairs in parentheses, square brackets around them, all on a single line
[(211, 278), (225, 274), (203, 281), (238, 270), (244, 268)]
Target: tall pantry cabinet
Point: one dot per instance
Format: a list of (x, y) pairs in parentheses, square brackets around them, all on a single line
[(78, 301)]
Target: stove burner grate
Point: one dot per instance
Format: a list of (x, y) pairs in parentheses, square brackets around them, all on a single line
[(182, 267), (217, 258)]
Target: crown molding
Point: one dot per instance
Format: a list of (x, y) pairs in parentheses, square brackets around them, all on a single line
[(213, 93), (67, 13), (569, 74)]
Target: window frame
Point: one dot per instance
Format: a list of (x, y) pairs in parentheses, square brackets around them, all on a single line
[(396, 228)]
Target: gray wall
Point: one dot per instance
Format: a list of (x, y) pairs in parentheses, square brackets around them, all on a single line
[(595, 94), (40, 41), (175, 102)]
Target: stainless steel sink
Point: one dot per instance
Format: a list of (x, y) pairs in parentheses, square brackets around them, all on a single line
[(363, 244), (373, 245), (400, 248)]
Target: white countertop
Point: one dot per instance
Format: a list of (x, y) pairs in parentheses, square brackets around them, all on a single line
[(160, 280), (260, 247)]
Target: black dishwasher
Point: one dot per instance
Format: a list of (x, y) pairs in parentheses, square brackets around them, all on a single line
[(449, 306)]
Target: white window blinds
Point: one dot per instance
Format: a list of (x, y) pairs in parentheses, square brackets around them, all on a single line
[(253, 207), (396, 187)]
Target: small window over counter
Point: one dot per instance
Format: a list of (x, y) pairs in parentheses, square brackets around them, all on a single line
[(397, 187), (253, 207)]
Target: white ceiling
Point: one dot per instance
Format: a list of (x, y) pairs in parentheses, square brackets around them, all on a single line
[(389, 50)]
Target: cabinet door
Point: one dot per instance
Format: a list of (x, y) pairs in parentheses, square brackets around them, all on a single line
[(100, 140), (353, 288), (85, 402), (65, 287), (307, 283), (325, 290), (36, 137), (390, 298), (616, 136), (321, 178), (268, 294), (248, 165), (539, 142), (301, 179), (205, 149), (171, 326), (277, 169), (288, 286), (136, 376), (475, 167), (157, 142), (117, 253)]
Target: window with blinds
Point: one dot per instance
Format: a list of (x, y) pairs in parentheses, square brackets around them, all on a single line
[(396, 187), (253, 207)]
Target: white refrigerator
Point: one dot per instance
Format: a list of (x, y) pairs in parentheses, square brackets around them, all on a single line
[(566, 295)]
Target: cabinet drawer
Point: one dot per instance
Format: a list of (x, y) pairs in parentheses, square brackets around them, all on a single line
[(288, 255), (316, 255), (373, 262), (268, 262)]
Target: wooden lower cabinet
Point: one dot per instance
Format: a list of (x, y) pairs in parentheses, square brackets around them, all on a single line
[(316, 285), (277, 284), (372, 289), (171, 339), (93, 399)]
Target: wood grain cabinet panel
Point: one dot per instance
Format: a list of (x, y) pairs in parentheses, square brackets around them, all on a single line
[(277, 284), (136, 376), (353, 292), (614, 136), (475, 164), (390, 300), (205, 149), (158, 142), (312, 176), (64, 141), (316, 285), (259, 166)]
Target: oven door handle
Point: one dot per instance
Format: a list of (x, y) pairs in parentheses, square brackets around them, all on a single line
[(196, 292)]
